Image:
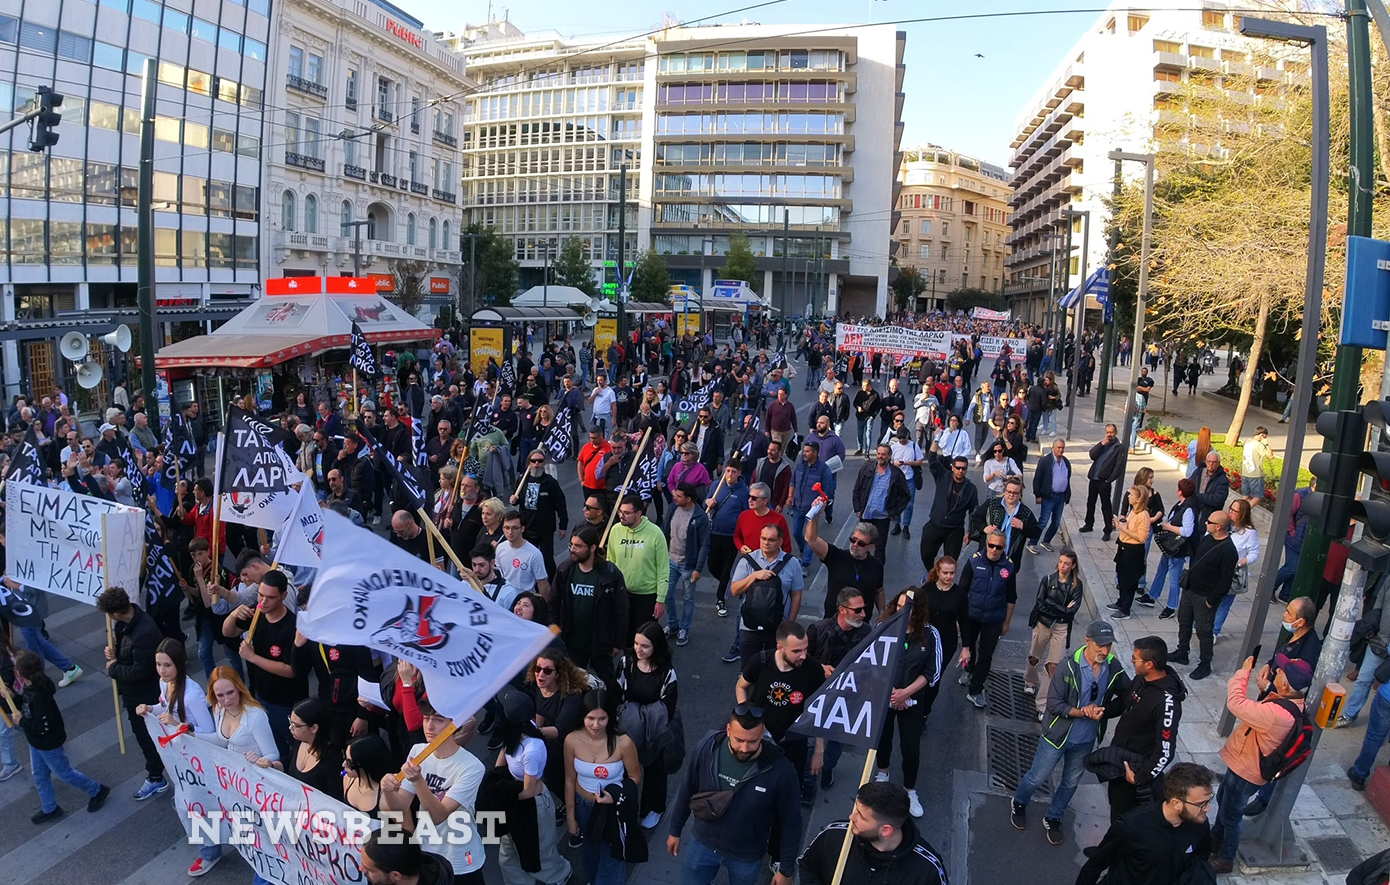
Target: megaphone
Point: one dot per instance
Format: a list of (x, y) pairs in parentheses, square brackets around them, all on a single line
[(595, 304), (89, 375), (73, 347), (590, 318), (119, 339)]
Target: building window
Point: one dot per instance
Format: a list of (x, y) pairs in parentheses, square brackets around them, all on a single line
[(79, 48), (311, 214), (926, 250), (345, 216), (1137, 22), (434, 233), (1212, 18), (291, 132), (444, 236), (945, 228), (296, 62), (32, 36), (9, 29), (351, 90), (175, 20), (926, 227), (410, 229), (314, 70), (287, 211)]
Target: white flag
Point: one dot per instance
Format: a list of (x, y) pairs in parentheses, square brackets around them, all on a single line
[(301, 537), (371, 592)]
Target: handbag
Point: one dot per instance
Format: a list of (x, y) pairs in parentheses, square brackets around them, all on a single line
[(1241, 582), (1171, 543)]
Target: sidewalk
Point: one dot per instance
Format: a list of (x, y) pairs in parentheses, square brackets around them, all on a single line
[(1327, 808)]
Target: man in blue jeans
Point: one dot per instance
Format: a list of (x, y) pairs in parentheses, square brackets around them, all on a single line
[(1082, 687), (1052, 490), (687, 531), (1377, 730)]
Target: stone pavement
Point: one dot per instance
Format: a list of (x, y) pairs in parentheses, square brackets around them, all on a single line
[(1327, 806)]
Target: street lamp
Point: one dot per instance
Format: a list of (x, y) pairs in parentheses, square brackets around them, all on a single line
[(1266, 844), (1130, 434)]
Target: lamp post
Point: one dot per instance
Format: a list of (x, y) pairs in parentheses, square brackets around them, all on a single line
[(356, 244), (1128, 433), (1079, 326)]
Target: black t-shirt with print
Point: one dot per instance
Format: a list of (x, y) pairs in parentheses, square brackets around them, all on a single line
[(782, 696), (275, 642)]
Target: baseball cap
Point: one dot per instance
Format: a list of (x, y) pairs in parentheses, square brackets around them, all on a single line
[(1101, 633), (1298, 672), (106, 427)]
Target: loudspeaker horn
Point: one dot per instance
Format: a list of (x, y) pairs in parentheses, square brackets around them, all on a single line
[(119, 339), (595, 304), (590, 318), (74, 347), (89, 375)]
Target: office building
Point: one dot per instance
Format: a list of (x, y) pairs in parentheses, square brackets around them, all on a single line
[(1124, 85), (954, 220), (772, 131)]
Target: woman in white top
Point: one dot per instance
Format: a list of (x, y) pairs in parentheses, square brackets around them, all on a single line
[(596, 756), (240, 725), (1247, 542), (999, 466), (181, 700), (524, 754), (954, 441)]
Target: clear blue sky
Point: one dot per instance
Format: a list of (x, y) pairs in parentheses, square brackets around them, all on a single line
[(953, 98)]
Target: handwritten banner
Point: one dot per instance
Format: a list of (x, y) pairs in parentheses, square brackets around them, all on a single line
[(54, 542), (287, 832)]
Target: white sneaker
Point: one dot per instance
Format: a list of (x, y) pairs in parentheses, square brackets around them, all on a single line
[(913, 804), (70, 676), (880, 776)]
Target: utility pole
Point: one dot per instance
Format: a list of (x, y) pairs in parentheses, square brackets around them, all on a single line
[(545, 279), (144, 268), (786, 255), (1080, 325), (1127, 434), (356, 244), (621, 301), (1109, 347)]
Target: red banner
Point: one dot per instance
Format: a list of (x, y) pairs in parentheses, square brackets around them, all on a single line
[(351, 286), (294, 286), (439, 285), (385, 282)]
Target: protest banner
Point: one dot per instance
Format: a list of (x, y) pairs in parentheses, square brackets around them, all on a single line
[(54, 542), (301, 537), (896, 341), (984, 313), (287, 832), (993, 345)]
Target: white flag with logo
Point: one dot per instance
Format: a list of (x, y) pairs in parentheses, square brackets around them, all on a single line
[(301, 537), (371, 592)]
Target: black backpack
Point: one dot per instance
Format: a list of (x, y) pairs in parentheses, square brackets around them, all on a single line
[(1293, 750), (763, 602)]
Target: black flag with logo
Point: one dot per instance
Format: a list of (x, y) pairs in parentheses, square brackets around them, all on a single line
[(850, 706), (161, 579), (698, 400), (508, 377), (25, 466), (409, 487), (559, 443), (139, 487), (252, 463), (744, 450), (417, 442), (179, 449), (362, 359), (646, 478)]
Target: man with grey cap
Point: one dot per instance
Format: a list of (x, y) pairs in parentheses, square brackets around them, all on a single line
[(1083, 685)]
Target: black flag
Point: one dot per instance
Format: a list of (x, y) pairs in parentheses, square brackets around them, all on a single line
[(362, 359), (408, 484), (744, 449), (25, 467), (850, 706), (179, 449), (646, 477), (417, 441), (559, 443), (161, 580), (508, 377), (697, 401), (252, 463)]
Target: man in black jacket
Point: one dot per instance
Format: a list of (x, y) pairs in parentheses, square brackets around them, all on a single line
[(1209, 576), (1106, 467), (543, 511), (954, 498), (990, 582), (592, 609), (131, 664), (1213, 487), (1160, 843), (1147, 725), (881, 494), (1052, 491), (769, 795), (887, 848)]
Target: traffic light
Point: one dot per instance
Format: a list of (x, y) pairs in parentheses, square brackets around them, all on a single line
[(42, 136), (1338, 471), (1373, 511)]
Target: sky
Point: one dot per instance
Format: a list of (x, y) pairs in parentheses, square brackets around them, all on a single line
[(953, 98)]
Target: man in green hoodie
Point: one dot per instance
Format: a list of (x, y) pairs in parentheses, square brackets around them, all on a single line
[(638, 548)]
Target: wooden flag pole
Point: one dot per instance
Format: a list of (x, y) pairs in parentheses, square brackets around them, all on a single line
[(352, 400), (715, 494), (9, 700), (255, 619), (429, 540), (216, 498), (636, 459), (111, 634), (516, 495), (464, 572)]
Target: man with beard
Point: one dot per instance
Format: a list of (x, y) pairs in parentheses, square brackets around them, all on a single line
[(592, 610), (709, 441), (1160, 842), (881, 494), (543, 511), (781, 681), (887, 847)]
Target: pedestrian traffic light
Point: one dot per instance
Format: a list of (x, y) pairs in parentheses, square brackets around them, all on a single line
[(41, 135), (1338, 471)]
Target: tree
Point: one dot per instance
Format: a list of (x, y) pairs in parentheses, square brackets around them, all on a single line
[(651, 281), (497, 266), (965, 299), (571, 268), (907, 286), (739, 263), (411, 285)]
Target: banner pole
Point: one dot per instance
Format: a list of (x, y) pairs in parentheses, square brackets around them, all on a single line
[(216, 498), (9, 700), (429, 540), (464, 573), (715, 493), (111, 634), (636, 459), (849, 833)]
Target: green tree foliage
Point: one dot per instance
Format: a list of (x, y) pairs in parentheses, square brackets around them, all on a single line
[(497, 266), (907, 286), (739, 263), (411, 285), (651, 281), (965, 299), (571, 268)]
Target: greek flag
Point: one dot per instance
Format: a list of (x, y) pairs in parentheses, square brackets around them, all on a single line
[(1097, 284), (362, 359)]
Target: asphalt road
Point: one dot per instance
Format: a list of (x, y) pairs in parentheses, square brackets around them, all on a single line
[(966, 813)]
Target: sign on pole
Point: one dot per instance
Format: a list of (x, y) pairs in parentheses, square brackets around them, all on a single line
[(54, 540)]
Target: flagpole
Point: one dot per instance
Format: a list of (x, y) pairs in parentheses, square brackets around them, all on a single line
[(111, 635), (849, 831), (429, 540), (464, 573), (715, 494), (636, 458), (216, 494), (352, 400)]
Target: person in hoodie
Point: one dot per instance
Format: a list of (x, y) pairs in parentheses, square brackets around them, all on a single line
[(1148, 725), (131, 663), (402, 862), (769, 794), (915, 687), (729, 499), (887, 847), (1161, 842)]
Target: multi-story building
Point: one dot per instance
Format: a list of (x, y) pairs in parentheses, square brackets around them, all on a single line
[(953, 222), (68, 230), (363, 162), (770, 131), (1144, 63)]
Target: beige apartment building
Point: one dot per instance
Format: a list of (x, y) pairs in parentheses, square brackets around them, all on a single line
[(953, 222)]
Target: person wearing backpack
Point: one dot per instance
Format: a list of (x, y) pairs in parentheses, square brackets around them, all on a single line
[(1271, 739), (769, 582)]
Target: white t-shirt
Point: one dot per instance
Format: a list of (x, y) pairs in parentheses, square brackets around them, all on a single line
[(603, 403), (907, 451), (520, 566), (529, 758), (457, 777)]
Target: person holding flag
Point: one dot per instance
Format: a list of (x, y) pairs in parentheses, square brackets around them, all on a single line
[(885, 845), (915, 685)]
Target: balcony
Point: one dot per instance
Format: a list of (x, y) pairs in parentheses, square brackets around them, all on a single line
[(308, 242), (308, 87), (417, 187), (445, 138), (415, 126), (1175, 61), (385, 115), (388, 180), (303, 161), (357, 172), (1201, 63), (445, 196), (350, 103)]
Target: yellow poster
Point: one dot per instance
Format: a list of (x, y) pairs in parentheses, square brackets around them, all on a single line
[(689, 321), (483, 343), (605, 333)]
